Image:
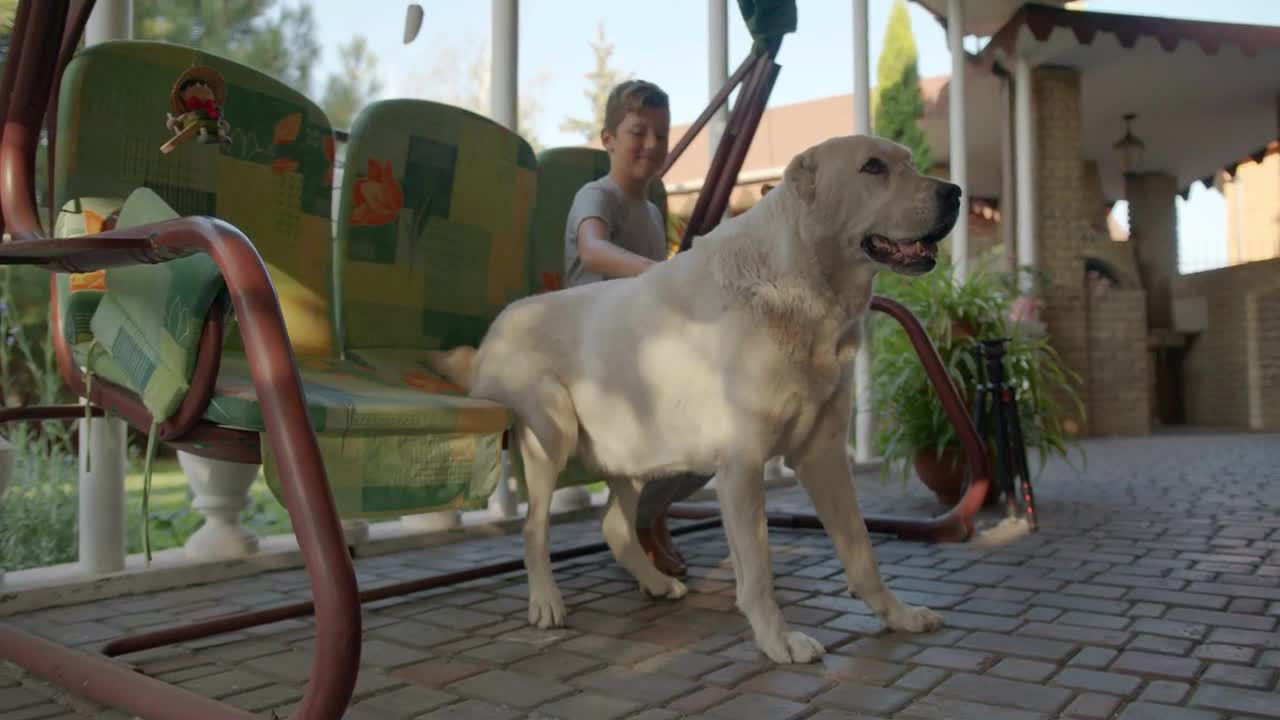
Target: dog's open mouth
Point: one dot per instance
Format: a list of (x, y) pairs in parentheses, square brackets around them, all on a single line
[(919, 255)]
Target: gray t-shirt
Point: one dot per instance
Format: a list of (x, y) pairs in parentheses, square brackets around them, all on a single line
[(635, 224)]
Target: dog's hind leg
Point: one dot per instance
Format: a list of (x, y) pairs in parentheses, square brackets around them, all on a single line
[(619, 528), (545, 438)]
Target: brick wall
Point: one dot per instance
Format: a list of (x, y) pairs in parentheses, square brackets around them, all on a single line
[(1119, 388), (1236, 354), (1061, 200)]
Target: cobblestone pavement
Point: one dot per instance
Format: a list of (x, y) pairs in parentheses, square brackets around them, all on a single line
[(1152, 591)]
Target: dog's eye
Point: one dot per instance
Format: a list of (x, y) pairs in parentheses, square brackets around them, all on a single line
[(874, 166)]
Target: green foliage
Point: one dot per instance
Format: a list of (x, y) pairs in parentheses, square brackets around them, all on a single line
[(898, 106), (354, 87), (282, 44), (600, 82), (956, 315)]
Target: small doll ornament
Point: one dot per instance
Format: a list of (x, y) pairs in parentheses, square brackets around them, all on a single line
[(196, 104)]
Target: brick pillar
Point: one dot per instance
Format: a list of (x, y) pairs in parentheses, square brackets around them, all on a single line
[(1062, 217), (1153, 229)]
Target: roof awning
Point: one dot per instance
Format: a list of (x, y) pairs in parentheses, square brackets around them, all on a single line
[(1207, 94), (983, 17)]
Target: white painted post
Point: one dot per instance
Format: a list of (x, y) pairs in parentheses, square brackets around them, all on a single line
[(8, 458), (863, 427), (1008, 203), (1024, 158), (221, 491), (956, 135), (504, 103), (102, 495), (717, 68), (102, 440)]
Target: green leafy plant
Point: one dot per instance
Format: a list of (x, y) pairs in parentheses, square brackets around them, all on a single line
[(956, 316)]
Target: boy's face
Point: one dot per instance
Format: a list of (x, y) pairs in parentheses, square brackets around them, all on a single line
[(639, 147)]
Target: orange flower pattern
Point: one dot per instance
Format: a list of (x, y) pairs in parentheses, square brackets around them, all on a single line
[(96, 280), (551, 281), (428, 383), (378, 197)]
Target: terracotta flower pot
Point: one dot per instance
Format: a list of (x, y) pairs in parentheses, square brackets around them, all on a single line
[(944, 474)]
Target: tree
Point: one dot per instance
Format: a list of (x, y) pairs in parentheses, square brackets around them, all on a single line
[(282, 44), (600, 81), (355, 86), (459, 76), (897, 103)]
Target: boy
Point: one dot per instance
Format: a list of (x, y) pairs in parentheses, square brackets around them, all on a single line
[(613, 231)]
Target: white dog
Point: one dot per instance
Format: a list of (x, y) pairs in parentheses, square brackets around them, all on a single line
[(716, 361)]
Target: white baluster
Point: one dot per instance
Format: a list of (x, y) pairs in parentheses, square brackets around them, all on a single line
[(221, 493)]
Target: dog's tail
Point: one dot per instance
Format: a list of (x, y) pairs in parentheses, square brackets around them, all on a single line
[(455, 365)]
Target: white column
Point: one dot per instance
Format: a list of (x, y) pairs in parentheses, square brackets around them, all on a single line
[(956, 135), (1008, 204), (863, 429), (110, 20), (1024, 158), (717, 68), (504, 96), (504, 63), (102, 495), (8, 458), (102, 523)]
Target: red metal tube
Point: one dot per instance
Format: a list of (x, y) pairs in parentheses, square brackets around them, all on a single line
[(229, 623), (111, 683), (728, 179), (721, 97)]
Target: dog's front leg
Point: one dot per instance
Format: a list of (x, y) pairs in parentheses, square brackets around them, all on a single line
[(740, 488), (824, 472)]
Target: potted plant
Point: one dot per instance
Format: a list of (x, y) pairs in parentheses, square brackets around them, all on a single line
[(913, 428)]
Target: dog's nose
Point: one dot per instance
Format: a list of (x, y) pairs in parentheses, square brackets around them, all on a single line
[(949, 193)]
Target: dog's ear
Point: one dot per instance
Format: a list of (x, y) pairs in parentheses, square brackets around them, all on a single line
[(801, 176)]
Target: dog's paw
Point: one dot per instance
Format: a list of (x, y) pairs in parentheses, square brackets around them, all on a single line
[(669, 588), (792, 647), (546, 607), (913, 619)]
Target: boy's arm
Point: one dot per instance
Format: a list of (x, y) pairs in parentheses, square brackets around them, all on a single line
[(600, 255)]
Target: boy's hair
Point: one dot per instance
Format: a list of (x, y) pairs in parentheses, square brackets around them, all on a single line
[(630, 96)]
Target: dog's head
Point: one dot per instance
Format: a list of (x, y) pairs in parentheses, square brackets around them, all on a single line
[(861, 199)]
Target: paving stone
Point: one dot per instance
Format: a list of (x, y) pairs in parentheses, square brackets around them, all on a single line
[(265, 697), (1015, 645), (1226, 653), (889, 648), (1160, 644), (935, 707), (979, 621), (223, 684), (650, 714), (1095, 620), (1009, 693), (1224, 619), (1253, 638), (1256, 678), (1075, 602), (1095, 681), (1171, 628), (1156, 665), (682, 663), (1236, 700), (955, 659), (1154, 711), (438, 672), (634, 685), (862, 670), (734, 673), (626, 652), (589, 706), (921, 678), (1170, 597), (1092, 706), (36, 712), (379, 653), (1093, 657), (1019, 669), (1165, 691), (1147, 609), (417, 634), (1076, 634), (406, 702), (505, 687), (866, 699), (458, 618), (786, 684), (757, 707), (700, 700)]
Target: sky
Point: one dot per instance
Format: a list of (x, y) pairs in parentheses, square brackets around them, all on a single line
[(665, 41)]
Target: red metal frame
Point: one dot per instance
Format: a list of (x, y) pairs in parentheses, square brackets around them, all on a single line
[(41, 46)]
